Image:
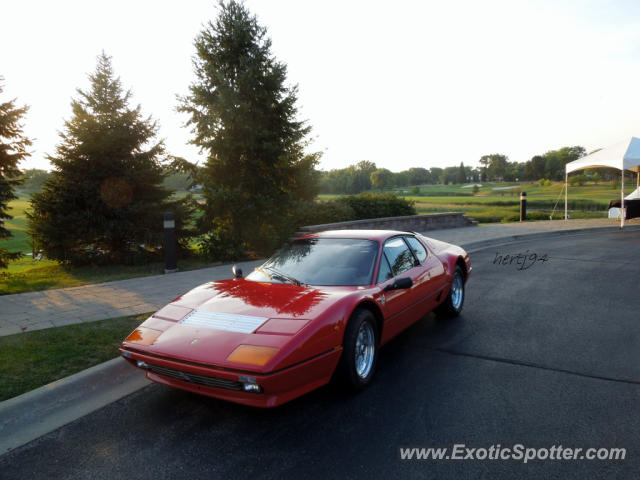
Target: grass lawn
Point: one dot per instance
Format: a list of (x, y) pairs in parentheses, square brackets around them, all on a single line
[(18, 227), (33, 359), (28, 275)]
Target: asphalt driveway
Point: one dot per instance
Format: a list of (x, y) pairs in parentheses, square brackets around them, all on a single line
[(547, 352)]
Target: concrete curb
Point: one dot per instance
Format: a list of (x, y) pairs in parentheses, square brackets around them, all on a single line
[(38, 412)]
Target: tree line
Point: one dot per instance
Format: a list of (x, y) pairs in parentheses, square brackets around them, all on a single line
[(365, 175)]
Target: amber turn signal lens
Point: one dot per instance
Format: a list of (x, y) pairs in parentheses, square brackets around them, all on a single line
[(252, 355), (143, 336)]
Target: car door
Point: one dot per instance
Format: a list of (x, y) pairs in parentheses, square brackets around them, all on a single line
[(401, 307), (434, 278)]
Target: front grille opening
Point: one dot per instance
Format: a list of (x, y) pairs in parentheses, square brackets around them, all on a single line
[(195, 378)]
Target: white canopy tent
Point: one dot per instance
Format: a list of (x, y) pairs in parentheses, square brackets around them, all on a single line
[(623, 156)]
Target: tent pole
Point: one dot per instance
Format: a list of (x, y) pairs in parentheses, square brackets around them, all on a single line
[(566, 193), (622, 212)]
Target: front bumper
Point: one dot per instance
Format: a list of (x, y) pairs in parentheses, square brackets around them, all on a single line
[(276, 387)]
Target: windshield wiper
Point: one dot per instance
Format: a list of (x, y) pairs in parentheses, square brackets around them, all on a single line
[(263, 272), (277, 274)]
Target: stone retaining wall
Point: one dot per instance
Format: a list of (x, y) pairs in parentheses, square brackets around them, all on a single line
[(416, 223)]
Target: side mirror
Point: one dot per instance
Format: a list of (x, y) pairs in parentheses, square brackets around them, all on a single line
[(399, 284), (237, 272)]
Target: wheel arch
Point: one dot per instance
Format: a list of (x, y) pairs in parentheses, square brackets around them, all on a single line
[(463, 266), (375, 310)]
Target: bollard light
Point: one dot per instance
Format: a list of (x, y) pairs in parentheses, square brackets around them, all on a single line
[(170, 250)]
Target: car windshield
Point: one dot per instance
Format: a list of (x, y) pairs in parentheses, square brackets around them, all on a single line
[(321, 261)]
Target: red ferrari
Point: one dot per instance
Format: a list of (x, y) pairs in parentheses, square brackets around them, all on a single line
[(319, 308)]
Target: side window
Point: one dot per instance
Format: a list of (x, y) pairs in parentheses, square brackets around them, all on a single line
[(417, 248), (384, 273), (400, 257)]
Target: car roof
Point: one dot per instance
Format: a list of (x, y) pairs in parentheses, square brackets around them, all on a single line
[(379, 235)]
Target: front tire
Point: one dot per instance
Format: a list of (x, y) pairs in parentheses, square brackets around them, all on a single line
[(452, 306), (359, 351)]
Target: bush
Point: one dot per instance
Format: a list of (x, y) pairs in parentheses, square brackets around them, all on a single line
[(219, 245), (317, 213), (370, 205), (352, 207)]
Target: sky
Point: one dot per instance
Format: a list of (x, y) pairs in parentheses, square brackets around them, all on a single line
[(403, 84)]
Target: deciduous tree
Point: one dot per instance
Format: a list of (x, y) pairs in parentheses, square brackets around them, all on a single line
[(381, 178)]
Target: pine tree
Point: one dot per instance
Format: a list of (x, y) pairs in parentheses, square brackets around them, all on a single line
[(13, 149), (244, 117), (105, 199)]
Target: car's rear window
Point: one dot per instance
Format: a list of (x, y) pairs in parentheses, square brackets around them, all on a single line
[(321, 261)]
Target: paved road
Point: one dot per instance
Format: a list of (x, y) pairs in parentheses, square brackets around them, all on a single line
[(54, 308), (548, 355)]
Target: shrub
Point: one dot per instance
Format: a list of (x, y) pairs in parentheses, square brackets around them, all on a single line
[(353, 207), (369, 205), (317, 213), (219, 245)]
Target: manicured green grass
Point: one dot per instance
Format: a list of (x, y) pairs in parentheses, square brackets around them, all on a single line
[(18, 227), (33, 359), (28, 275), (489, 206)]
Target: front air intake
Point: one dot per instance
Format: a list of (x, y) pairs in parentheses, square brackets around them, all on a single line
[(196, 378)]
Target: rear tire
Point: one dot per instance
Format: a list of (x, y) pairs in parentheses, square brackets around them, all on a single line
[(452, 306), (359, 351)]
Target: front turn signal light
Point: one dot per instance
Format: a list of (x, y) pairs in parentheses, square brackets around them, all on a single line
[(252, 355), (143, 336)]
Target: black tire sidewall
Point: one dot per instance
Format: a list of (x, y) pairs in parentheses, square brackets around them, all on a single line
[(446, 309), (455, 310), (347, 362)]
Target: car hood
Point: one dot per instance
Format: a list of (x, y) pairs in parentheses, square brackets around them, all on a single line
[(206, 324), (245, 297)]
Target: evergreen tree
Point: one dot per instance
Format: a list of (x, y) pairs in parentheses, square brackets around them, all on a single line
[(13, 149), (104, 200), (244, 117)]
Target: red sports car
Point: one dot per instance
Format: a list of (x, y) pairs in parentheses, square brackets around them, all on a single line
[(320, 307)]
